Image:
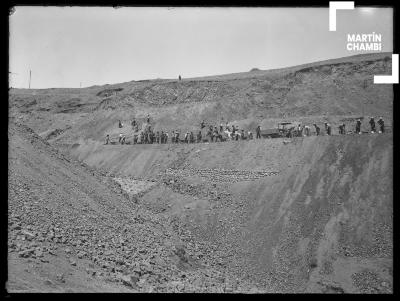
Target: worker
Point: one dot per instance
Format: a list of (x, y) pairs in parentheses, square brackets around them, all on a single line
[(176, 137), (179, 77), (381, 125), (173, 137), (199, 137), (133, 123), (148, 118), (328, 129), (187, 137), (107, 139), (120, 125), (340, 129), (258, 132), (120, 138), (317, 129), (158, 137), (202, 125), (344, 129), (358, 126), (299, 130), (372, 124), (221, 128), (191, 137), (250, 135), (306, 130), (123, 139), (216, 135)]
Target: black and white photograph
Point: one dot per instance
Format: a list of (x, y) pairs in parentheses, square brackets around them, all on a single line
[(201, 149)]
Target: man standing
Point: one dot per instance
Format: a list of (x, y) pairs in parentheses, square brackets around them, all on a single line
[(148, 118), (258, 132), (340, 129), (381, 125), (328, 129), (199, 138), (317, 129), (215, 133), (158, 137), (358, 126), (372, 123), (107, 139)]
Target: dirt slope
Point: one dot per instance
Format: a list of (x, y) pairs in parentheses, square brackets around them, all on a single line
[(323, 91), (73, 230), (317, 217)]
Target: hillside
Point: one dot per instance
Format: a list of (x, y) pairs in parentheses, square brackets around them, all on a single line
[(305, 214), (312, 215), (73, 230), (323, 91)]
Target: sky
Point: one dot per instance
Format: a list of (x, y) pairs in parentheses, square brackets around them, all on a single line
[(85, 46)]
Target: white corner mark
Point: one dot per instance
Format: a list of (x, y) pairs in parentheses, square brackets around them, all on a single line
[(390, 79), (335, 5)]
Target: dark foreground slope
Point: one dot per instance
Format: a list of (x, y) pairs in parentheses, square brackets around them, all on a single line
[(314, 214), (322, 91), (72, 230)]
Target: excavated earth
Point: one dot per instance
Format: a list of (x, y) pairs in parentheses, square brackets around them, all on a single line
[(71, 229), (307, 214), (310, 215)]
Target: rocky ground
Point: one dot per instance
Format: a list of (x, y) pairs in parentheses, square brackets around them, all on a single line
[(72, 229), (308, 214), (302, 229)]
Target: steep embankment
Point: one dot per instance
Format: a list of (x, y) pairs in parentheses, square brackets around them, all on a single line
[(322, 91), (70, 229), (314, 214)]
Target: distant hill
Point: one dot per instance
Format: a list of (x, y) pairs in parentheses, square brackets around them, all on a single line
[(327, 90)]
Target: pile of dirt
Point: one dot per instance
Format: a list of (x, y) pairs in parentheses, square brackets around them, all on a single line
[(72, 229)]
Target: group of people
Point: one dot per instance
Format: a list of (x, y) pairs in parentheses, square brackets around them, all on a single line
[(305, 130), (221, 133)]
